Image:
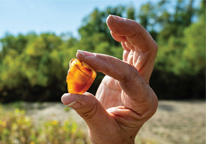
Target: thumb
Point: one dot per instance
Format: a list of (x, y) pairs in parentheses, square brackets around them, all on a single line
[(89, 108)]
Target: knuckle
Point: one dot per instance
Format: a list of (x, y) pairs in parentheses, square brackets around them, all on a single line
[(130, 74), (89, 113), (89, 108)]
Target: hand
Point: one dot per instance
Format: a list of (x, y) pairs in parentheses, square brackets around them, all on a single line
[(124, 100)]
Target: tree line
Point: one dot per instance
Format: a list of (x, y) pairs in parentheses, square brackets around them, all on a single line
[(33, 67)]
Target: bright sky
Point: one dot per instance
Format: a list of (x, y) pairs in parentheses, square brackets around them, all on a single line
[(58, 16)]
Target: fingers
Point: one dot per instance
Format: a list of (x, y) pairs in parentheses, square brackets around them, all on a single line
[(103, 128), (126, 116), (135, 90), (118, 38), (129, 78), (130, 31), (89, 108), (128, 119), (109, 65), (86, 105), (137, 42)]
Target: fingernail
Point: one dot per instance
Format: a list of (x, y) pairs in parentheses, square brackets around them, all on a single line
[(72, 103), (114, 17), (111, 110), (85, 53), (81, 52)]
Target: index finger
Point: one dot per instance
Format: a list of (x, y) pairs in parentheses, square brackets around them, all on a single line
[(137, 95), (129, 78)]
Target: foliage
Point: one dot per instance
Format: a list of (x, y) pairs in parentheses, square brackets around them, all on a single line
[(19, 128), (16, 127), (33, 67)]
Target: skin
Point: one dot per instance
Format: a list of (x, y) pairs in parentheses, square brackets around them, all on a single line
[(124, 100)]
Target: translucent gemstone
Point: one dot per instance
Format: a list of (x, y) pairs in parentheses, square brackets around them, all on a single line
[(80, 77)]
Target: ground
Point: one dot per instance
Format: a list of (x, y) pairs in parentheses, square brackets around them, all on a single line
[(175, 122)]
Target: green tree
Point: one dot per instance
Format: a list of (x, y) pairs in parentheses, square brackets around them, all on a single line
[(131, 13), (34, 67), (174, 24), (194, 52)]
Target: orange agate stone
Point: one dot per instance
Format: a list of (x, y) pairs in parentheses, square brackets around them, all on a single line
[(80, 77)]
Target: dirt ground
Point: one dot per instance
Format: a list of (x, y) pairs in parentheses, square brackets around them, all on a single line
[(175, 122)]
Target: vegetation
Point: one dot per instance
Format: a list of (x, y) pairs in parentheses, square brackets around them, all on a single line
[(36, 123), (34, 67), (16, 127)]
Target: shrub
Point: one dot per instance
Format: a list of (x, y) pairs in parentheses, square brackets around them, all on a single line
[(16, 127)]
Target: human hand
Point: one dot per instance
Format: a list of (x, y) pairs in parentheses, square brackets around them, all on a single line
[(124, 100)]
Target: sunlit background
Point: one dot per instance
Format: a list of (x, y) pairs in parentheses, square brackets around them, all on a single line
[(52, 16), (39, 38), (62, 16)]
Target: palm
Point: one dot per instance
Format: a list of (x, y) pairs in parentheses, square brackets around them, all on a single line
[(110, 93)]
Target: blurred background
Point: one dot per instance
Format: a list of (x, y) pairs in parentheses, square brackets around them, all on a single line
[(39, 38)]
